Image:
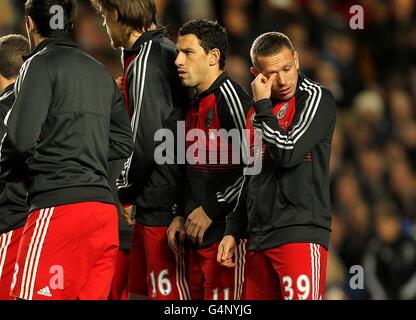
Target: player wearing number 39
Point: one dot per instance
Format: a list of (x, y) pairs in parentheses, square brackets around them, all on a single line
[(286, 208)]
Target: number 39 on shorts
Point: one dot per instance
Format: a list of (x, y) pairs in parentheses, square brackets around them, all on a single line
[(302, 287)]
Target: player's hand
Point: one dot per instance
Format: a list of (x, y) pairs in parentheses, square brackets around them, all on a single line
[(226, 251), (262, 87), (176, 228), (120, 83), (127, 212), (197, 223)]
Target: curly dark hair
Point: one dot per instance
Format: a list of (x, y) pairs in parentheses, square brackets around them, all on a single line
[(211, 35)]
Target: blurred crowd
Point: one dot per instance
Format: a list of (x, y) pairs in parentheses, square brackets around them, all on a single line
[(372, 74)]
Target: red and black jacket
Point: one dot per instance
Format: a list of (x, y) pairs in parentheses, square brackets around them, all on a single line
[(212, 183), (289, 201), (155, 100)]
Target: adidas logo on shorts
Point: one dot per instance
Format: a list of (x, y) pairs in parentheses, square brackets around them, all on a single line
[(45, 292)]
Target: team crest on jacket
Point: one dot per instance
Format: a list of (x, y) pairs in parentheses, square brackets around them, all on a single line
[(209, 118), (282, 112)]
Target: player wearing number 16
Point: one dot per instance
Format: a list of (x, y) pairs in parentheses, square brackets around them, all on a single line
[(154, 97), (286, 208)]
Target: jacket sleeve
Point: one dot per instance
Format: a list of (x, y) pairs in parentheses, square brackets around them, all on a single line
[(310, 127), (176, 172), (170, 172), (223, 201), (151, 107), (3, 129), (121, 139), (33, 91), (234, 104), (237, 221)]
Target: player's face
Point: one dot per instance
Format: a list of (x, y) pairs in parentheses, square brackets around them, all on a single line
[(192, 62), (114, 30), (285, 65)]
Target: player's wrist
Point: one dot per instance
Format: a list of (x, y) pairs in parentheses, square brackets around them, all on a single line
[(263, 105)]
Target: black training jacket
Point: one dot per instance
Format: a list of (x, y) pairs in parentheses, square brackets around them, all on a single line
[(13, 206), (67, 122), (124, 230), (289, 201), (155, 100), (215, 184)]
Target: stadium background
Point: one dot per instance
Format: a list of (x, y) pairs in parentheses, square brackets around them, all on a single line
[(372, 74)]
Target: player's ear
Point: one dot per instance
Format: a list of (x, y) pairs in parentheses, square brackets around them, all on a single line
[(110, 15), (296, 59), (114, 15), (30, 24), (215, 57), (254, 71)]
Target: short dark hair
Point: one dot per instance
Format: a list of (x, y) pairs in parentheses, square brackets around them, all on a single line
[(211, 35), (136, 14), (12, 48), (269, 44), (40, 12)]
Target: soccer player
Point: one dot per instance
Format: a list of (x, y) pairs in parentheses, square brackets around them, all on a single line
[(152, 91), (119, 285), (212, 182), (13, 206), (287, 207), (67, 122)]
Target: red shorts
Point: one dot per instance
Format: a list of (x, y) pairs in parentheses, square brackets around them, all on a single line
[(9, 245), (155, 271), (294, 271), (119, 290), (211, 281), (67, 253)]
